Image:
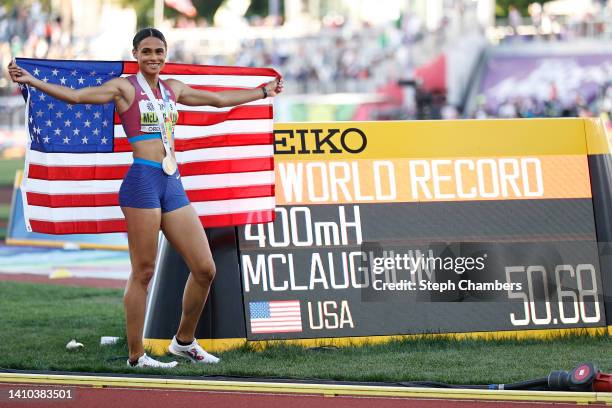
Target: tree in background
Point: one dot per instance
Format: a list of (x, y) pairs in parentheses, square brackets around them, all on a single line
[(502, 6), (10, 4), (262, 8), (145, 8), (206, 9)]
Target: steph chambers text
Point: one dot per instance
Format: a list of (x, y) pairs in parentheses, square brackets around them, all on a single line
[(464, 284)]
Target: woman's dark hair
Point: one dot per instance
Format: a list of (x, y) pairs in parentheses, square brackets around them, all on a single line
[(148, 32)]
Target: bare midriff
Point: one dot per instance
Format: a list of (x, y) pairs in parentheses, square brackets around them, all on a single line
[(152, 149)]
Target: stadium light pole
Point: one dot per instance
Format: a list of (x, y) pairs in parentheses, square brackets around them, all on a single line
[(158, 13)]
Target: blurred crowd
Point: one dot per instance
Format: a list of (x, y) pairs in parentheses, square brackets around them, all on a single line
[(28, 31), (550, 23), (340, 58), (337, 60), (346, 56), (531, 107), (343, 57)]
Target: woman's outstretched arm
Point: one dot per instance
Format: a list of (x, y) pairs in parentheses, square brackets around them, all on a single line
[(104, 93), (197, 97)]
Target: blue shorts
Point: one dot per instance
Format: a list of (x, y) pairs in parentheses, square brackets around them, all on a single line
[(147, 186)]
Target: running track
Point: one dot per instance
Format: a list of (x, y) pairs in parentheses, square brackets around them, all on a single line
[(108, 397)]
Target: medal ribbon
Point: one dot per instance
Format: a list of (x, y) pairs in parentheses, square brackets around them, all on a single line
[(164, 120)]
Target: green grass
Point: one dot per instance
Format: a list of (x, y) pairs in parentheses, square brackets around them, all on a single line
[(5, 210), (8, 167), (38, 320)]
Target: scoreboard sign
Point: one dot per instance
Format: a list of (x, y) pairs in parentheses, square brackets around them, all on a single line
[(394, 228), (398, 228)]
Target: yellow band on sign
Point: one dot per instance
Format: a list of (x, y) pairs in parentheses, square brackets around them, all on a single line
[(440, 179), (433, 139), (596, 136), (426, 139), (423, 161)]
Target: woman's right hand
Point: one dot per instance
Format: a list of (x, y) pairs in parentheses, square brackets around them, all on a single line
[(18, 74)]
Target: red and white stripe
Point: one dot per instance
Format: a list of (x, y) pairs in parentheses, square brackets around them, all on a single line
[(225, 157), (285, 317)]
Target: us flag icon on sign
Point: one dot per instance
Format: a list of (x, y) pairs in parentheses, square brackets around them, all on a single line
[(277, 316)]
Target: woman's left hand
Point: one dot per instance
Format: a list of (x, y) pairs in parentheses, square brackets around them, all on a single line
[(275, 87)]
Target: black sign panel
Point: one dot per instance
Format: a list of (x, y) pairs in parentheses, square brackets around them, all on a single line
[(385, 269)]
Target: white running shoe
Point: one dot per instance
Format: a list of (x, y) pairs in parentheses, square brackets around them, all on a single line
[(194, 352), (146, 361)]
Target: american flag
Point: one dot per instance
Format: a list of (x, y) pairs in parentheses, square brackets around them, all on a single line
[(275, 316), (78, 154)]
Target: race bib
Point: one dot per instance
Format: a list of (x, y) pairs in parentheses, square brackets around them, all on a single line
[(148, 118)]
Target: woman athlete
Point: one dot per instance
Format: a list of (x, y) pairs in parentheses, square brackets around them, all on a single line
[(151, 196)]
